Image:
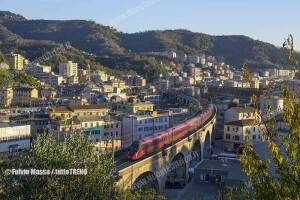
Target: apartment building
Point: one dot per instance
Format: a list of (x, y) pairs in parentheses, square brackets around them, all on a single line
[(276, 104), (136, 127), (132, 108), (6, 97), (24, 95), (68, 112), (240, 113), (112, 135), (39, 123), (236, 133), (66, 119), (16, 61), (68, 69)]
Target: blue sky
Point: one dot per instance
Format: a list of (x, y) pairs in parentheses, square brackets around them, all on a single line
[(266, 20)]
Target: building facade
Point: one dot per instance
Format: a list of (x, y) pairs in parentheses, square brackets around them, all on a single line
[(24, 95), (136, 127), (16, 61), (236, 133), (6, 97), (240, 113), (14, 138)]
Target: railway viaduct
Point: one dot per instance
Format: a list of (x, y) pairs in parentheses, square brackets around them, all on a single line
[(170, 164)]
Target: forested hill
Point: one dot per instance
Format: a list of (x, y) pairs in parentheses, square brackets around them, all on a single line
[(104, 40)]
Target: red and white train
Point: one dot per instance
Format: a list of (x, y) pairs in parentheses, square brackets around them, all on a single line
[(160, 140)]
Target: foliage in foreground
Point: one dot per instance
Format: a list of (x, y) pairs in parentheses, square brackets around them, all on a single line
[(77, 152), (279, 176)]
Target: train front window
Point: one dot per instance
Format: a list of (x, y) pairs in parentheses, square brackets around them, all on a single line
[(134, 147)]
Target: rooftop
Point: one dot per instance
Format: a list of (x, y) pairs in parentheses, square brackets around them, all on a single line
[(231, 168), (60, 109), (244, 122), (78, 107), (244, 109), (87, 107)]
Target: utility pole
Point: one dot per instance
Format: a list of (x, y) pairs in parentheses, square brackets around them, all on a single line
[(172, 116), (113, 147)]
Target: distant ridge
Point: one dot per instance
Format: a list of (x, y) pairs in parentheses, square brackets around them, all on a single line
[(104, 40)]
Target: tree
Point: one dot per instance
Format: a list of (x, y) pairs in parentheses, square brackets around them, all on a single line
[(2, 58), (6, 78), (284, 183), (76, 152), (139, 195), (46, 153), (246, 74), (23, 78)]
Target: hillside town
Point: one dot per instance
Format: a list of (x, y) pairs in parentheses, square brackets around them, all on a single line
[(168, 117)]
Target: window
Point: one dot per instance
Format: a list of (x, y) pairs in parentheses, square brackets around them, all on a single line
[(237, 129), (254, 129), (228, 128), (254, 137), (236, 137), (85, 125), (228, 136)]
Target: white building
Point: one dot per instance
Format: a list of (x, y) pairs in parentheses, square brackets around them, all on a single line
[(136, 127), (240, 113), (276, 104), (154, 98), (202, 59), (193, 59), (105, 133), (169, 54), (68, 69), (236, 133), (14, 138)]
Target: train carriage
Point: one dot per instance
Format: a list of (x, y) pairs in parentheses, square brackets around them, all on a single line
[(163, 139)]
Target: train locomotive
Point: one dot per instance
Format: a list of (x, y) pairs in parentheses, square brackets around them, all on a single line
[(163, 139)]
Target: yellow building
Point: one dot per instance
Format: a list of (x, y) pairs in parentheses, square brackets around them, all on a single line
[(65, 119), (90, 110), (60, 113), (6, 96), (16, 61), (132, 108), (135, 107), (111, 135), (119, 84), (107, 88), (24, 95), (68, 112)]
